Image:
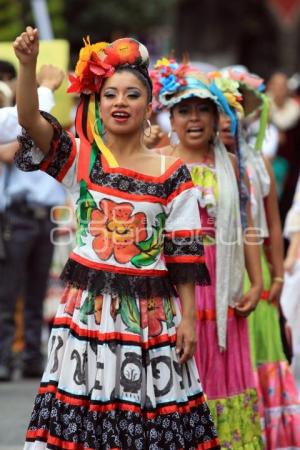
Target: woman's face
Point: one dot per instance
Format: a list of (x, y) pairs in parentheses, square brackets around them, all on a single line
[(195, 122), (225, 134), (123, 104)]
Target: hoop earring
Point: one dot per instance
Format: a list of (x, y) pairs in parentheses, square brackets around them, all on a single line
[(173, 138), (149, 126), (214, 138)]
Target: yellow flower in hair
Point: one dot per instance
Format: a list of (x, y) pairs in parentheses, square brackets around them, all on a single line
[(99, 47), (234, 103), (162, 62), (230, 89), (86, 52)]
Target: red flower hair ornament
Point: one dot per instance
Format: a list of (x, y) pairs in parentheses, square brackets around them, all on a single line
[(100, 60)]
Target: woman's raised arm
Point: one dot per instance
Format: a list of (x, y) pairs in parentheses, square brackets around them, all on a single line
[(26, 47)]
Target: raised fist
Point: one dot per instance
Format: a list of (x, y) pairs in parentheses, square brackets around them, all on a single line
[(26, 46), (50, 76)]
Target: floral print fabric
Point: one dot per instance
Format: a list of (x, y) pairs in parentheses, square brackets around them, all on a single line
[(236, 420), (113, 380)]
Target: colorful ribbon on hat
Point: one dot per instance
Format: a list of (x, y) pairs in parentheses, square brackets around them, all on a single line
[(263, 121)]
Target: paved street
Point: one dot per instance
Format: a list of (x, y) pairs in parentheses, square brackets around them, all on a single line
[(16, 401)]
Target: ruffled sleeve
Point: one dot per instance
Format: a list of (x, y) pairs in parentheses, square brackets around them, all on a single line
[(61, 160), (183, 241)]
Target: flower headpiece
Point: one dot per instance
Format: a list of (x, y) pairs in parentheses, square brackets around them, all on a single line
[(167, 78), (100, 60), (175, 82), (241, 74), (244, 92), (230, 89)]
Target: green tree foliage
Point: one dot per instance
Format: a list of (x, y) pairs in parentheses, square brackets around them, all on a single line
[(101, 19), (10, 19), (110, 19), (16, 14), (56, 10)]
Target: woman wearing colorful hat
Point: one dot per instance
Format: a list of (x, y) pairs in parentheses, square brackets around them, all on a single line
[(279, 403), (120, 373), (223, 352)]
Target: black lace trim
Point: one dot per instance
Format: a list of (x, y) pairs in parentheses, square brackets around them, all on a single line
[(116, 284), (119, 285), (120, 429), (124, 183), (57, 156), (183, 246), (23, 157), (137, 186), (188, 273)]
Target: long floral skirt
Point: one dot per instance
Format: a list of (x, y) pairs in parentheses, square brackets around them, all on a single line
[(228, 379), (279, 402), (113, 380)]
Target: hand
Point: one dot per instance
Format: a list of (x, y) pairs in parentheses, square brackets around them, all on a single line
[(50, 76), (154, 138), (26, 46), (289, 263), (275, 292), (186, 340), (248, 302)]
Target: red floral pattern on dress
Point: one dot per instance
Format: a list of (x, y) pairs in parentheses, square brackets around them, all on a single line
[(152, 315), (117, 230), (114, 307), (98, 309), (72, 299)]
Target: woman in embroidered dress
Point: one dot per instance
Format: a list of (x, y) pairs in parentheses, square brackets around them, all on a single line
[(279, 404), (224, 361), (119, 373)]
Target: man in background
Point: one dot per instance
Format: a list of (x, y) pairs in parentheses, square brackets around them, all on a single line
[(27, 248)]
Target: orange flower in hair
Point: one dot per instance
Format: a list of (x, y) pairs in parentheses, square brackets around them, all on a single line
[(86, 54), (124, 51), (90, 68)]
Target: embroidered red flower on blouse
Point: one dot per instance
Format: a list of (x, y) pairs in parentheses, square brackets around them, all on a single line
[(152, 315), (117, 230), (122, 51)]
